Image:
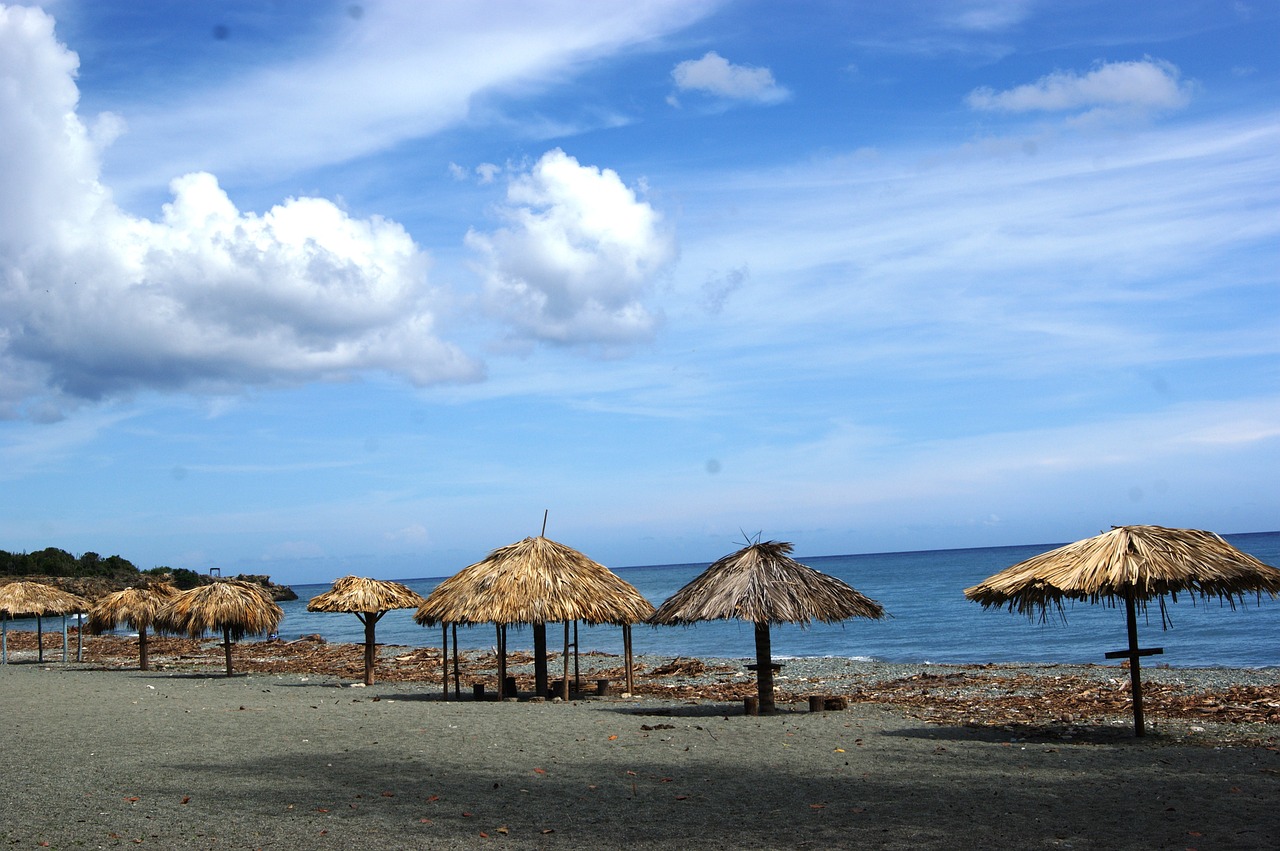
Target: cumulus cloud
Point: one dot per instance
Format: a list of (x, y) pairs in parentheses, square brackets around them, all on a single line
[(95, 302), (1131, 87), (717, 76), (578, 255)]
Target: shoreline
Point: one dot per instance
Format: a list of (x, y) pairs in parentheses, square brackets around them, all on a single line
[(1211, 705), (180, 758)]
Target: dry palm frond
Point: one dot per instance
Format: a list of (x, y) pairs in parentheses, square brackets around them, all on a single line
[(231, 607), (37, 599), (534, 581), (136, 607), (761, 583), (1143, 561), (357, 594)]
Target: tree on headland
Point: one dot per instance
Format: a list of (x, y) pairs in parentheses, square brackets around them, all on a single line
[(95, 575)]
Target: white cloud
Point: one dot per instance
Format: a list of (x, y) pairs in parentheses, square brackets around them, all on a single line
[(987, 15), (1140, 86), (715, 75), (578, 256), (95, 302)]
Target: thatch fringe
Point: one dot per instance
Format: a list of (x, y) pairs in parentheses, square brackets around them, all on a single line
[(25, 598), (761, 583), (229, 606), (358, 594), (1145, 561), (534, 581), (136, 607)]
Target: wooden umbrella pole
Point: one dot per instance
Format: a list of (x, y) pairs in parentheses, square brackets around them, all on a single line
[(540, 659), (39, 638), (628, 662), (564, 687), (143, 663), (370, 644), (457, 688), (64, 636), (764, 668), (444, 656), (502, 661), (226, 644), (1135, 666)]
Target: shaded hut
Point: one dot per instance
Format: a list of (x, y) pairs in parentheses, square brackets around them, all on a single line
[(535, 582), (368, 600), (229, 606), (38, 600), (1133, 565), (762, 584), (135, 607)]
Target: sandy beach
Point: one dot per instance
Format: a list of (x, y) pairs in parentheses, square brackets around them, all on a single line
[(183, 758)]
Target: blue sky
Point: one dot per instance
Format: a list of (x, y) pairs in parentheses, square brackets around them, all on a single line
[(319, 288)]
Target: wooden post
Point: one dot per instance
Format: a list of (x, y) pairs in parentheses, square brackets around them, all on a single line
[(629, 663), (370, 645), (502, 661), (226, 644), (565, 685), (1134, 654), (457, 688), (1135, 666), (444, 650), (764, 668), (540, 659), (79, 636), (39, 638), (144, 661)]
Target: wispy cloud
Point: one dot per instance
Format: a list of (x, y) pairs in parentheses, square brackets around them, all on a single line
[(398, 71), (716, 76), (1137, 87)]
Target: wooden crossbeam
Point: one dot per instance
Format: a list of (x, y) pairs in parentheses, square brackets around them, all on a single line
[(1125, 654)]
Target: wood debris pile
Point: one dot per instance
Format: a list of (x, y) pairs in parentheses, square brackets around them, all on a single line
[(978, 696), (1063, 700)]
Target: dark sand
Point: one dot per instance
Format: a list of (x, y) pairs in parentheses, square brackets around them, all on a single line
[(97, 758)]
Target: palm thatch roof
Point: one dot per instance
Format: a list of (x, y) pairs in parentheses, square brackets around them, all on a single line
[(356, 594), (23, 598), (761, 583), (231, 607), (1144, 562), (534, 581), (369, 600), (136, 607)]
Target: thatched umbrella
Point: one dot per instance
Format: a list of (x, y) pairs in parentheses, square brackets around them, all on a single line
[(1135, 564), (136, 607), (27, 599), (536, 581), (762, 584), (231, 606), (369, 600)]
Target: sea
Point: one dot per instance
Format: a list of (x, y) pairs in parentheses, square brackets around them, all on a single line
[(928, 618)]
